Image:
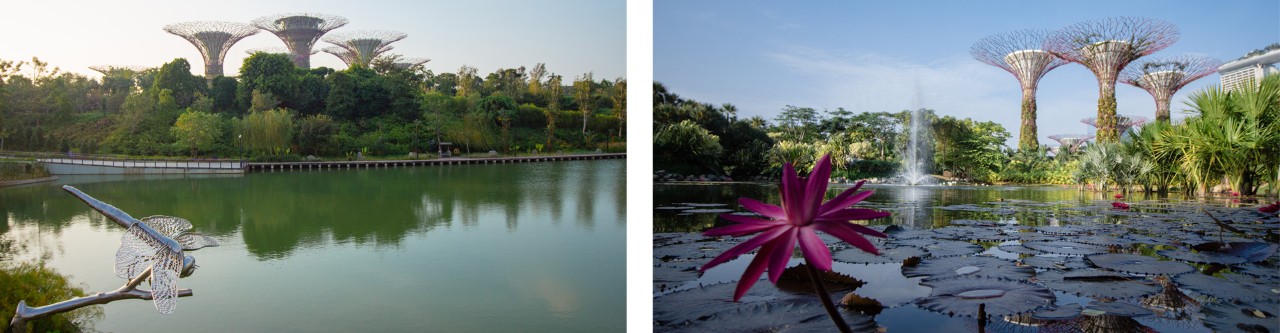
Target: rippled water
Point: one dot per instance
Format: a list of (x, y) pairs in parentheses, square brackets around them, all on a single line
[(996, 216), (479, 248)]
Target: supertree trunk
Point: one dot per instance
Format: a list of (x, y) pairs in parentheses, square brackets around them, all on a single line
[(1027, 134), (1162, 110), (1107, 111)]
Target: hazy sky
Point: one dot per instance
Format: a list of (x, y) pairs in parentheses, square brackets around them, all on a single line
[(570, 36), (871, 55)]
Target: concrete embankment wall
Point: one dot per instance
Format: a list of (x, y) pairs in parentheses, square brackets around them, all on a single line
[(99, 167)]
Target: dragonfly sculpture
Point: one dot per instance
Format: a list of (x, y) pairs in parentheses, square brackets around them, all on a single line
[(152, 249)]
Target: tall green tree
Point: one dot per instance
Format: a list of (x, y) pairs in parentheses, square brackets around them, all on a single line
[(176, 77), (272, 73), (584, 94), (197, 130)]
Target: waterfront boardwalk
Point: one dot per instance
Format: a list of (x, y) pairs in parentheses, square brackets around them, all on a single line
[(59, 164), (284, 166)]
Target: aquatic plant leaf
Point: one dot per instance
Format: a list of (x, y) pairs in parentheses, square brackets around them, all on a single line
[(943, 248), (957, 296), (1205, 257), (1048, 262), (1065, 247), (1017, 248), (1219, 288), (1103, 240), (1120, 309), (1093, 283), (762, 309), (1249, 251), (1062, 312), (939, 268), (796, 279), (1138, 264), (887, 255), (1241, 316)]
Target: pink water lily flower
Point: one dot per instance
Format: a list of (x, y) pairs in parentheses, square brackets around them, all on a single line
[(799, 218)]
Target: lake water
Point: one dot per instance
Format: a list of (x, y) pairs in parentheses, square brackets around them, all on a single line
[(474, 248), (968, 228)]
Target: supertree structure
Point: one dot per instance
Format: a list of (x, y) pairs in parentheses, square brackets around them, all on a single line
[(364, 45), (108, 69), (348, 56), (1106, 46), (213, 39), (1022, 54), (1071, 142), (273, 49), (300, 32), (1165, 75), (405, 63), (1122, 122)]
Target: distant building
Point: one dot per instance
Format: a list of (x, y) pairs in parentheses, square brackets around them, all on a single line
[(1251, 68)]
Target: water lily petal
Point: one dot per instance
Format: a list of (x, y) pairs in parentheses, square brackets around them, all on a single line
[(753, 272), (745, 247), (750, 220), (792, 189), (845, 199), (846, 233), (851, 214), (737, 230), (815, 251), (784, 245), (770, 211), (816, 189)]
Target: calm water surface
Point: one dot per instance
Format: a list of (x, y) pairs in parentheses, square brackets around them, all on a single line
[(477, 248)]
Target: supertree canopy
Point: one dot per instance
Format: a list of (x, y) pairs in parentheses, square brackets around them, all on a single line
[(1105, 47), (213, 39), (349, 56), (108, 69), (1162, 77), (273, 49), (1123, 122), (405, 63), (364, 45), (300, 31), (1071, 142), (1022, 54)]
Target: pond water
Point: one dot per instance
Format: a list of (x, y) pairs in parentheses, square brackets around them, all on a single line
[(474, 248), (1043, 258)]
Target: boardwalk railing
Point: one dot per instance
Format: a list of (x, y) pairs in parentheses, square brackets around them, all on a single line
[(254, 166), (126, 162)]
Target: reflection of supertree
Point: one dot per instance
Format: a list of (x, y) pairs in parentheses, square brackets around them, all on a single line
[(364, 45), (1105, 47), (1071, 142), (213, 39), (300, 31), (1022, 54), (1164, 76), (1122, 122)]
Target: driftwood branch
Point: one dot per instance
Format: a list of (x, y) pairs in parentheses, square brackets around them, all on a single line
[(128, 291)]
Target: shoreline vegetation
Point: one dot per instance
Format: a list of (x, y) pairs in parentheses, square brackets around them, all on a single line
[(1228, 144), (276, 112)]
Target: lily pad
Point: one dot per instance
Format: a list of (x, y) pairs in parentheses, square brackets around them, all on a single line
[(706, 211), (887, 255), (944, 248), (1249, 251), (1120, 309), (939, 268), (1138, 264), (1017, 248), (1062, 312), (956, 296), (1202, 257), (1047, 262), (1065, 247), (1091, 283), (1238, 316), (1219, 288)]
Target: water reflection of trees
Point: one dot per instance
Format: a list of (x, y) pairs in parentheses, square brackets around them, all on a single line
[(276, 213)]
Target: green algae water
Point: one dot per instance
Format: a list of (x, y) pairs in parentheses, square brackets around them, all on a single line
[(474, 248)]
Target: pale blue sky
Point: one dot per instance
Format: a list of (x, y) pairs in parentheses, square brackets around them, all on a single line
[(871, 55), (570, 36)]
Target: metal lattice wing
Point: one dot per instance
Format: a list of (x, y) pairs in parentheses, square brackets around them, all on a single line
[(164, 281), (138, 251), (168, 226), (193, 241)]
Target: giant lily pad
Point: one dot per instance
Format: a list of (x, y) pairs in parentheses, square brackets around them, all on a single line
[(1062, 312), (1047, 262), (1120, 309), (943, 248), (763, 309), (1092, 283), (963, 295), (1240, 316), (1219, 288), (1248, 251), (1065, 247), (887, 255), (1138, 264), (939, 268)]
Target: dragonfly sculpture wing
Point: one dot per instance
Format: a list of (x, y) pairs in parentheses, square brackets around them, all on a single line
[(142, 247), (193, 241), (168, 226)]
